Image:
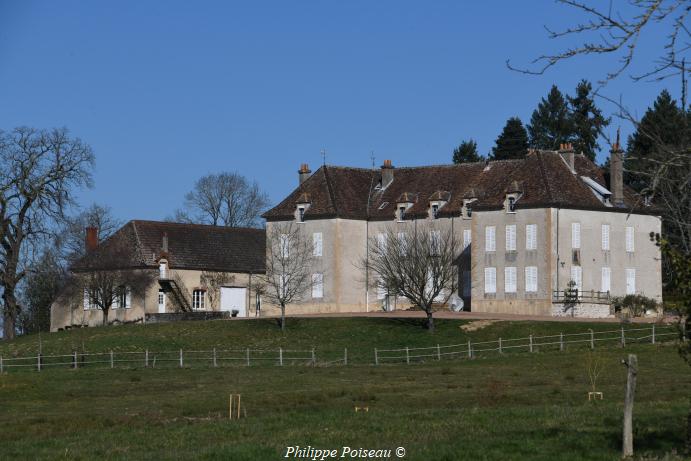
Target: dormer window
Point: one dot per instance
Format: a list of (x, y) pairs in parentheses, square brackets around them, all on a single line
[(510, 203), (301, 214), (602, 193), (400, 214), (435, 211), (467, 211)]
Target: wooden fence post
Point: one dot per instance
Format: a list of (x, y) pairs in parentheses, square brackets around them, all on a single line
[(376, 357), (561, 341), (407, 355), (38, 363), (1, 365), (280, 356), (248, 356), (215, 363), (181, 362), (470, 350), (345, 356), (592, 339), (632, 366), (112, 364), (623, 338), (74, 360), (146, 358), (652, 338), (500, 351), (531, 343), (438, 352), (314, 358)]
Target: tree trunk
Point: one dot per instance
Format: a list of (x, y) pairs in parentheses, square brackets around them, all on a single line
[(430, 320), (627, 444), (9, 313), (105, 317), (283, 317)]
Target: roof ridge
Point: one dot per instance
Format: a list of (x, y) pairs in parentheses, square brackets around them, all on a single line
[(182, 224)]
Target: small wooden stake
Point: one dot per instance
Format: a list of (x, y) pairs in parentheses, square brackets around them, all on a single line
[(592, 339), (248, 356), (407, 355), (561, 341), (632, 366), (438, 352), (531, 343), (652, 338), (181, 363), (280, 356), (470, 350), (215, 364), (376, 357), (146, 358), (112, 364), (38, 364), (500, 351)]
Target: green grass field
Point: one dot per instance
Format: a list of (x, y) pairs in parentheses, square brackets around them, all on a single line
[(520, 406)]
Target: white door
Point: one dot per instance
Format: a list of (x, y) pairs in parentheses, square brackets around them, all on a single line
[(161, 302), (234, 299)]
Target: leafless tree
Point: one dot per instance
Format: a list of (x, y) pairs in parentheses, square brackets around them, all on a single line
[(224, 199), (71, 238), (40, 170), (107, 276), (619, 32), (289, 258), (419, 265)]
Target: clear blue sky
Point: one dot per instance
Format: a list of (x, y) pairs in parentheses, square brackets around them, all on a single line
[(166, 92)]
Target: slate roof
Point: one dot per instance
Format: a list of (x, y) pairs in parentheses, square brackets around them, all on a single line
[(190, 246), (543, 178)]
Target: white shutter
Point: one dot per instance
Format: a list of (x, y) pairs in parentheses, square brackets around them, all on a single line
[(606, 279), (162, 270), (402, 242), (317, 285), (509, 279), (531, 279), (490, 279), (381, 290), (128, 297), (577, 276), (605, 237), (317, 243), (87, 300), (511, 237), (576, 235), (435, 242), (531, 237), (284, 246), (630, 281), (490, 238), (466, 238), (629, 240), (467, 284), (381, 242)]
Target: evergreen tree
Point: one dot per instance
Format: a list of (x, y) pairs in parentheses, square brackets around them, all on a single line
[(587, 120), (466, 152), (512, 142), (551, 123)]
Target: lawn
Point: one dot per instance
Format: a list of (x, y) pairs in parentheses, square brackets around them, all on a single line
[(522, 406)]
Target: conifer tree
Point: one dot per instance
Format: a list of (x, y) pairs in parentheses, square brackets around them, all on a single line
[(512, 142), (466, 152), (551, 123), (587, 120)]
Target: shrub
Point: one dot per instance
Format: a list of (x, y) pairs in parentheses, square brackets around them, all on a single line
[(637, 305)]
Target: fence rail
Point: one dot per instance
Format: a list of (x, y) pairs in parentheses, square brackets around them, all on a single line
[(218, 357)]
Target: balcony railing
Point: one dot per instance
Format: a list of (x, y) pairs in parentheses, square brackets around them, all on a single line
[(594, 297)]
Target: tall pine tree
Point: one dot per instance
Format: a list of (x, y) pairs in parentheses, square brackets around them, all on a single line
[(512, 142), (466, 152), (551, 123), (587, 120)]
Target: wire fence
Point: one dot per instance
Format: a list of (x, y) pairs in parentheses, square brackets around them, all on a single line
[(247, 357)]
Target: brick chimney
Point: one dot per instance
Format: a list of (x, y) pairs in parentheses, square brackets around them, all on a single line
[(569, 155), (386, 173), (91, 240), (304, 172), (616, 173)]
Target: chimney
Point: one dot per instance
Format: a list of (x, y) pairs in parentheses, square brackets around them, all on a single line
[(304, 172), (91, 241), (386, 173), (616, 173), (569, 155)]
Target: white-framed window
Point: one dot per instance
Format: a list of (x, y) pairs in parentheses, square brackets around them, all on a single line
[(400, 214), (490, 238), (467, 283), (435, 242), (124, 298), (317, 244), (606, 283), (381, 242), (381, 289), (284, 245), (531, 236), (199, 300), (531, 279), (301, 214), (317, 285), (577, 277), (630, 281), (163, 270), (467, 238), (490, 279), (576, 235), (510, 280), (511, 237), (89, 302), (605, 237), (630, 243), (435, 211)]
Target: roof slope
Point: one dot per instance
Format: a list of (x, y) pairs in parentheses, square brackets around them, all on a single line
[(543, 178), (191, 246)]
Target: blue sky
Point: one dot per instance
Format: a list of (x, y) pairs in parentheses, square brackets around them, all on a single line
[(166, 92)]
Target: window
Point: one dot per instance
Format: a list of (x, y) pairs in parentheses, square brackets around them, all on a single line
[(163, 270), (435, 242), (88, 300), (381, 243), (490, 241), (511, 237), (467, 284), (577, 277), (435, 211), (123, 298), (531, 237), (576, 235), (317, 244), (317, 285), (509, 280), (606, 284), (402, 243), (301, 214), (381, 290), (630, 281), (512, 205), (198, 299), (401, 212), (284, 245), (605, 238), (466, 238), (490, 279), (531, 279), (629, 240)]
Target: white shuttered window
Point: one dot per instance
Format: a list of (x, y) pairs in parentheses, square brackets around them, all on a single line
[(531, 279), (466, 238), (630, 281), (381, 242), (606, 279), (317, 285), (531, 237), (577, 276), (629, 240), (490, 279), (317, 245), (509, 280), (490, 238), (511, 237), (575, 235)]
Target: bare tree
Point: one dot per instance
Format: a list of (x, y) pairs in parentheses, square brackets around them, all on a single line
[(107, 276), (40, 169), (224, 199), (71, 238), (289, 258), (419, 265)]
